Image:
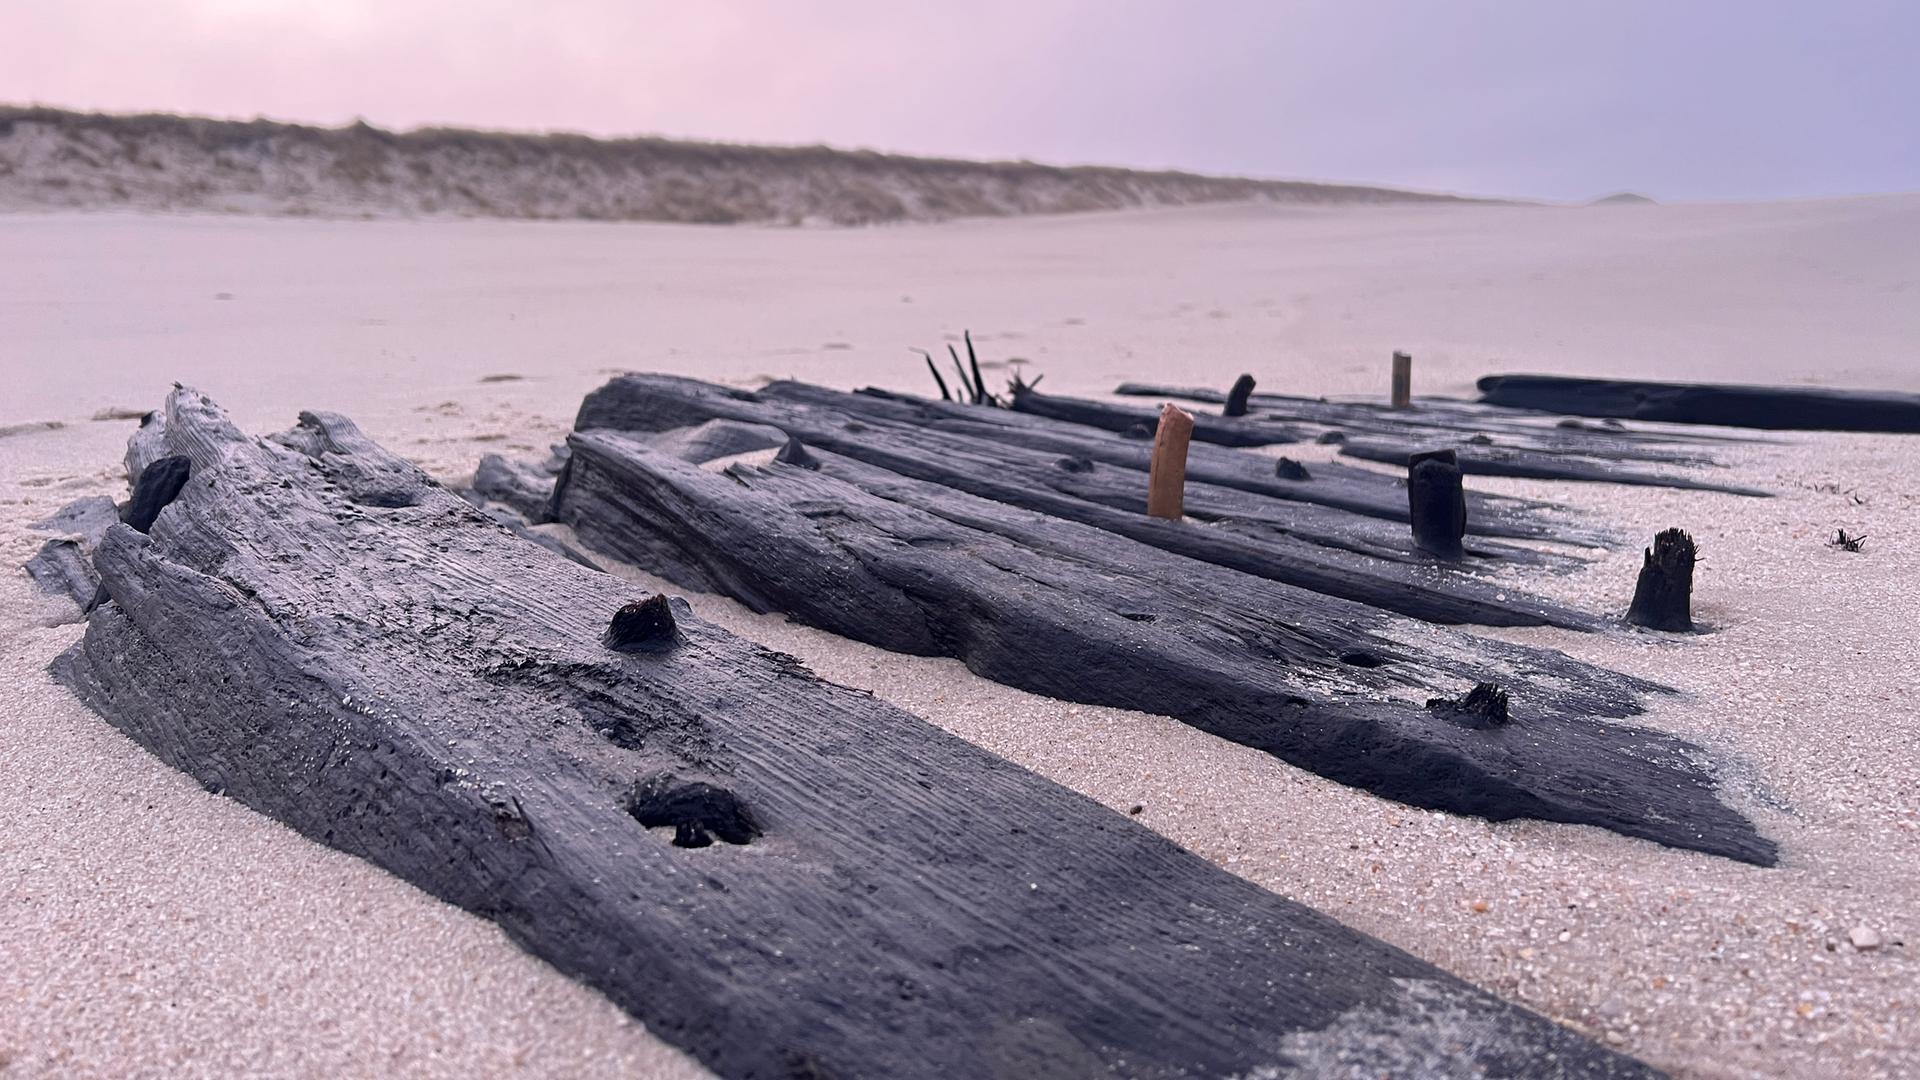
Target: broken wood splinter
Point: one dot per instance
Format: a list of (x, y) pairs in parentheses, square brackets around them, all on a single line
[(1662, 597), (1483, 708), (643, 626)]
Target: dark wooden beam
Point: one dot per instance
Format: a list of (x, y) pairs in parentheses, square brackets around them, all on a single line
[(1779, 408), (1062, 609), (782, 876)]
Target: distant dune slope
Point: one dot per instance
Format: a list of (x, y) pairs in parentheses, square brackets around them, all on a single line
[(54, 159)]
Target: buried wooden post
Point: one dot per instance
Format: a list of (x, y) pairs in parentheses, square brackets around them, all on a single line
[(1167, 472), (1237, 397), (1436, 503), (1662, 598), (1402, 380)]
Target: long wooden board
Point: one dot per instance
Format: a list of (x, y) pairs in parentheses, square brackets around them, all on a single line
[(1081, 490), (1780, 408), (1338, 488), (785, 877), (1063, 609)]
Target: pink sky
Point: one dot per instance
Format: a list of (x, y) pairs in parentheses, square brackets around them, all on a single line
[(1704, 98)]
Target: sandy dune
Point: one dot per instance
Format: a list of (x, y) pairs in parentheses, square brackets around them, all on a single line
[(52, 159), (149, 928)]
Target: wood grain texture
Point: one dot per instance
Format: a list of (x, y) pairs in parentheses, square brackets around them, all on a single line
[(64, 565), (1242, 431), (1491, 440), (1074, 612), (317, 630), (1251, 533), (1489, 460), (1337, 487), (1436, 416)]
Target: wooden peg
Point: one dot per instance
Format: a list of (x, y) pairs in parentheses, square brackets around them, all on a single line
[(1437, 503), (1237, 397), (1167, 475), (1402, 381)]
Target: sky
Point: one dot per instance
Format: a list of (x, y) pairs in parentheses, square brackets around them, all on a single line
[(1553, 99)]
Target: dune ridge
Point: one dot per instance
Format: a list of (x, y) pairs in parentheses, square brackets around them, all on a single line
[(55, 159)]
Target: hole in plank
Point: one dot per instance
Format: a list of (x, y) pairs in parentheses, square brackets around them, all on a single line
[(698, 812), (1362, 658)]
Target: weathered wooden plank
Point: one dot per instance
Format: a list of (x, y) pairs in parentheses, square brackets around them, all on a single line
[(1533, 428), (1336, 487), (1250, 430), (1533, 446), (1227, 488), (1486, 460), (64, 565), (1061, 609), (1778, 408), (1079, 490), (521, 487), (317, 630)]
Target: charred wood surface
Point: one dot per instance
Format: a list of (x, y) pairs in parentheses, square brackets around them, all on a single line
[(1337, 487), (1058, 608), (1663, 594), (1236, 403), (1266, 541), (1431, 419), (782, 876), (522, 488), (1436, 504), (64, 565), (1126, 419), (1481, 459), (1780, 408), (663, 402)]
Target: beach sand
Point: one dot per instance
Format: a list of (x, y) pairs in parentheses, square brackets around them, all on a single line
[(150, 928)]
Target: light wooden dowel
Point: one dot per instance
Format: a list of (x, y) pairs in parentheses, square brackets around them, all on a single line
[(1167, 477), (1402, 380)]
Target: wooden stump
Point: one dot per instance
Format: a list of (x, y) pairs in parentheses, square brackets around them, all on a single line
[(1402, 381), (1662, 598), (1436, 503), (1237, 397)]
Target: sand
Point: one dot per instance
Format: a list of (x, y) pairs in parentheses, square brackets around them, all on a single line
[(55, 160), (149, 928)]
